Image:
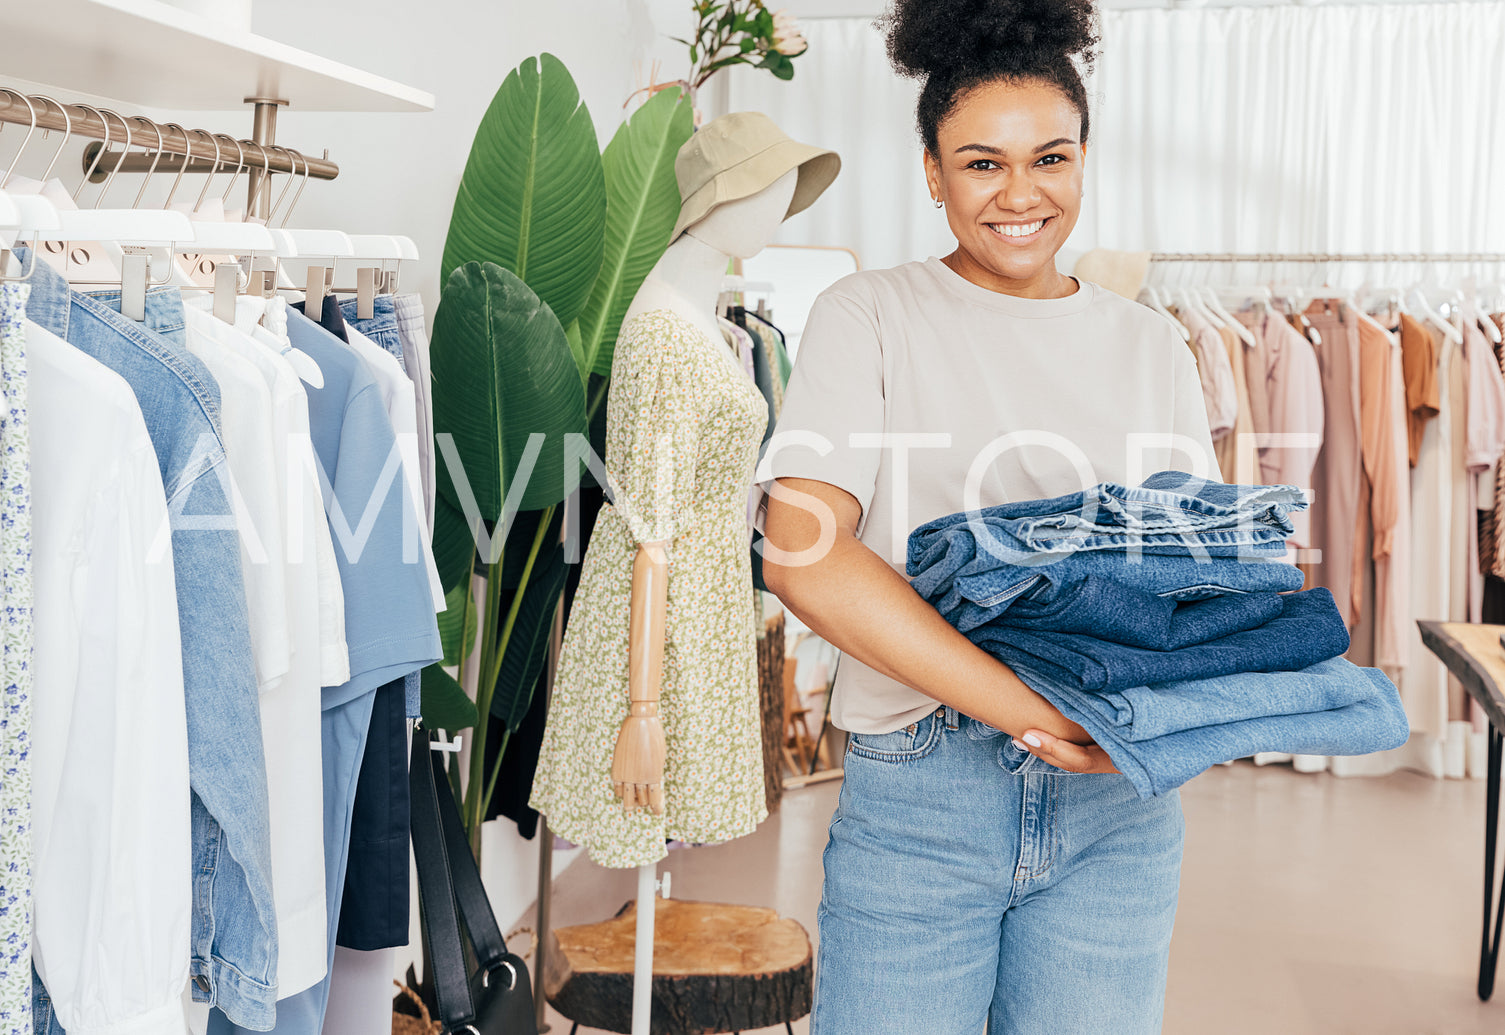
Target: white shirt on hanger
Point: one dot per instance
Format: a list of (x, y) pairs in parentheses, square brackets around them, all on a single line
[(303, 485), (112, 865), (290, 709), (246, 424)]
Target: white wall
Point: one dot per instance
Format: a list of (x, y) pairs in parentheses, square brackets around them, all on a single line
[(398, 173)]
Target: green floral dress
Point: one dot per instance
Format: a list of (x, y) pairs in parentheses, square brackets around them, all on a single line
[(684, 425)]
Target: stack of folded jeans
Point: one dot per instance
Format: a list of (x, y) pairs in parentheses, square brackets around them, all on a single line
[(1162, 620)]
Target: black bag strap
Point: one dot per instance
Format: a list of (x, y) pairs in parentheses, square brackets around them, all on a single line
[(436, 891), (470, 893)]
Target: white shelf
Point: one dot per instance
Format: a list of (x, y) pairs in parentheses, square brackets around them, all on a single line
[(152, 55)]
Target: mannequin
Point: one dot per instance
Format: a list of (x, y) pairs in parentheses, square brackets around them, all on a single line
[(665, 606), (685, 281)]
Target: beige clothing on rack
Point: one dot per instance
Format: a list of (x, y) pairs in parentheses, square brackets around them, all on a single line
[(1424, 687), (1385, 494), (1465, 584), (1229, 445), (1339, 466)]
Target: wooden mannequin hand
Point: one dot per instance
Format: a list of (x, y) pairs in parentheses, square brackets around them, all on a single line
[(637, 765)]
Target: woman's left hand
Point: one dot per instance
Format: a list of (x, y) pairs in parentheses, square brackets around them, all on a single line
[(1063, 754)]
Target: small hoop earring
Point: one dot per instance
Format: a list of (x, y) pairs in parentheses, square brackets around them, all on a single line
[(939, 203)]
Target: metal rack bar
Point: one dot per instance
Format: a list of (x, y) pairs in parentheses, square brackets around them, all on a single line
[(1321, 257), (84, 122)]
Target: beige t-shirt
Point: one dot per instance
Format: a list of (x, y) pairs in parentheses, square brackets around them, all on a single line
[(923, 394)]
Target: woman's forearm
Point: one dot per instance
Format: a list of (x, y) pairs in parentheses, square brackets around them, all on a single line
[(859, 604)]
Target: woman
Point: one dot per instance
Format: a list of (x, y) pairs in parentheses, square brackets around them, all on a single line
[(974, 878)]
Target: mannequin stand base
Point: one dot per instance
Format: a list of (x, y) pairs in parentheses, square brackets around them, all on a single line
[(716, 968)]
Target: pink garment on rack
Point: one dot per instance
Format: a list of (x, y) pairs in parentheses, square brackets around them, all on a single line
[(1285, 396), (1339, 466), (1486, 399), (1485, 442), (1219, 391)]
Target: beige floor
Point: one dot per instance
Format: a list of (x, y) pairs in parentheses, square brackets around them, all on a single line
[(1310, 905)]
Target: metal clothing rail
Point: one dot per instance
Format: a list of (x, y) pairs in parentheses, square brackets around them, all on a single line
[(169, 141), (1322, 257)]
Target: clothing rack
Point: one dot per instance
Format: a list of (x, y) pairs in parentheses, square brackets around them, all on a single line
[(202, 150), (1324, 257)]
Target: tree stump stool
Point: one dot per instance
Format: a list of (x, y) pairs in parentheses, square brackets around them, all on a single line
[(716, 968)]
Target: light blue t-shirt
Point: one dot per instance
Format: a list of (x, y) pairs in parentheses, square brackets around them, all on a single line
[(390, 625)]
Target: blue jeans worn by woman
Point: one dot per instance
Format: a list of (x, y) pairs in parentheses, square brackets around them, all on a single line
[(972, 887)]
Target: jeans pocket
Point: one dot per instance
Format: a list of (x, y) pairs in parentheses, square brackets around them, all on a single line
[(909, 744), (1016, 760)]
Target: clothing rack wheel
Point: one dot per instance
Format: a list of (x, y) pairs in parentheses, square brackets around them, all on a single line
[(1473, 653)]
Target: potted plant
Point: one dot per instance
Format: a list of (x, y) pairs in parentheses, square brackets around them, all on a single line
[(549, 241)]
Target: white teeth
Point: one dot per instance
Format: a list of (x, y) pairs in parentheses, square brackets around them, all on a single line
[(1018, 230)]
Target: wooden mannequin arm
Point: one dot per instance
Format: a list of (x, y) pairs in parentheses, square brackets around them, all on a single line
[(637, 769)]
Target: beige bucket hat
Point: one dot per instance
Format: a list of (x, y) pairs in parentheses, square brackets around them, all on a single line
[(740, 154)]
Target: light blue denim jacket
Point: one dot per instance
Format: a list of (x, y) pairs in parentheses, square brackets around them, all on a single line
[(1206, 539), (234, 938)]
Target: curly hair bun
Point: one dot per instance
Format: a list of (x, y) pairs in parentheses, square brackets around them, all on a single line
[(968, 38)]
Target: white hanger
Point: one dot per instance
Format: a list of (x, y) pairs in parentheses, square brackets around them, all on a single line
[(1434, 317), (1475, 311), (301, 252), (1192, 300), (1159, 306), (1215, 304)]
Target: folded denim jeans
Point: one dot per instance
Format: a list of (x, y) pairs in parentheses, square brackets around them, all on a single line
[(1158, 765), (1167, 501), (990, 557), (977, 601), (1121, 613), (1307, 630), (1145, 712)]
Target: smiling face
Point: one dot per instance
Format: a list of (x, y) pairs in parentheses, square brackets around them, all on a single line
[(1009, 168)]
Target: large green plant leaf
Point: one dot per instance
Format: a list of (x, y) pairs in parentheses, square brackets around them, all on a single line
[(528, 648), (503, 372), (642, 204), (446, 705), (454, 545), (532, 198), (524, 531), (458, 625)]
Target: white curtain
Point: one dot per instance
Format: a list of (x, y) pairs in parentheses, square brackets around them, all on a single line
[(1361, 128), (1371, 127), (846, 97)]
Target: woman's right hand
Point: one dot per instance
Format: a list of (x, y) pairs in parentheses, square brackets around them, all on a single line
[(1063, 754)]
